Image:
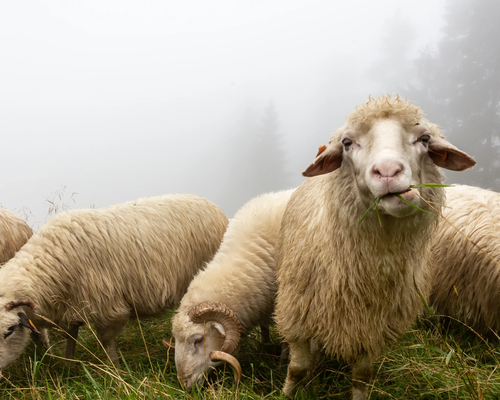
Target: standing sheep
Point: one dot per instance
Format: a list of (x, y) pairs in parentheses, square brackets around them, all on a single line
[(234, 293), (466, 277), (14, 232), (105, 265), (350, 285)]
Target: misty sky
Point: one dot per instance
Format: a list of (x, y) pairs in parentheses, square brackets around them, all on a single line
[(117, 100)]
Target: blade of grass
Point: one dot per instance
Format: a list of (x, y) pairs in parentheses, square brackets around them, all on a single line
[(376, 210), (373, 203), (411, 204), (95, 385), (423, 185)]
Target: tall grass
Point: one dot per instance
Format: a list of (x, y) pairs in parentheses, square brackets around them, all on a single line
[(432, 361)]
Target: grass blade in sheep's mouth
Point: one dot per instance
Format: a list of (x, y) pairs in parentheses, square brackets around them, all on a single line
[(376, 200), (373, 205)]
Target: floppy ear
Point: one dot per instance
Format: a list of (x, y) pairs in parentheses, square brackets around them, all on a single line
[(445, 155), (328, 159)]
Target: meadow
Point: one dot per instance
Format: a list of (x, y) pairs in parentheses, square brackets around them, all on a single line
[(439, 358), (432, 361)]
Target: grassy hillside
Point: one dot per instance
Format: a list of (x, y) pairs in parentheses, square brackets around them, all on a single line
[(430, 362)]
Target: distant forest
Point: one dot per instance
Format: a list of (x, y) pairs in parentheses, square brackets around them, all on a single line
[(456, 82)]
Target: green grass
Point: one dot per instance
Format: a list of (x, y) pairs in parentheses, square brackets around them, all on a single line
[(430, 362)]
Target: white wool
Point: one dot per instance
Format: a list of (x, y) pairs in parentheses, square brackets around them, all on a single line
[(14, 232), (466, 276), (105, 265), (241, 276)]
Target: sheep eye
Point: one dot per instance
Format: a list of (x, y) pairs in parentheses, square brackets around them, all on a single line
[(418, 123), (425, 139), (198, 341), (10, 332), (347, 143)]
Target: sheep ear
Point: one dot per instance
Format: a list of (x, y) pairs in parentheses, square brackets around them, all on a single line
[(328, 159), (445, 155), (219, 328)]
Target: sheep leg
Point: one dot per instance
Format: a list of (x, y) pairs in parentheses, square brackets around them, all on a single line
[(107, 336), (362, 370), (43, 340), (300, 363), (71, 336), (285, 352), (264, 334), (316, 353)]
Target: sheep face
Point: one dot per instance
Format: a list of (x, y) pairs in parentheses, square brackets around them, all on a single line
[(192, 351), (385, 157), (15, 330)]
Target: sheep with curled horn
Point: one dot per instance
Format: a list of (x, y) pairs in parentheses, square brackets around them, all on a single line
[(351, 286), (233, 294), (104, 266)]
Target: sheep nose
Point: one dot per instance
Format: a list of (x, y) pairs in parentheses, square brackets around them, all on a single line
[(387, 169)]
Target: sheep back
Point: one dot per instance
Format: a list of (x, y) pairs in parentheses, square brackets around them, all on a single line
[(466, 277), (242, 273), (14, 233), (133, 257)]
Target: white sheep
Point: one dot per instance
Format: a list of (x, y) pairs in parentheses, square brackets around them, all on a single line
[(104, 266), (466, 276), (234, 293), (14, 232), (350, 285)]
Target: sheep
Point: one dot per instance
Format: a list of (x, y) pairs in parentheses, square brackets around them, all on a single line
[(350, 285), (14, 232), (466, 277), (104, 266), (234, 293)]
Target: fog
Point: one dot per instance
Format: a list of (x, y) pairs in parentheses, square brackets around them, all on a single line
[(103, 102)]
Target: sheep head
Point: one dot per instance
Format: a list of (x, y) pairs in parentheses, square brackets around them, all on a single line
[(203, 340), (15, 330), (386, 146)]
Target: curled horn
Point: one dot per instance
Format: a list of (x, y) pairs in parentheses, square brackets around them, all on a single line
[(231, 360), (19, 303), (218, 312)]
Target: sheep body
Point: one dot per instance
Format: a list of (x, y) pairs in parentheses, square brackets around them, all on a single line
[(365, 297), (466, 281), (14, 232), (350, 286), (241, 276), (105, 265)]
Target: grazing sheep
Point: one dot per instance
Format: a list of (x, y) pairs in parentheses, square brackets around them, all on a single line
[(350, 285), (103, 266), (14, 232), (234, 293), (466, 277)]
